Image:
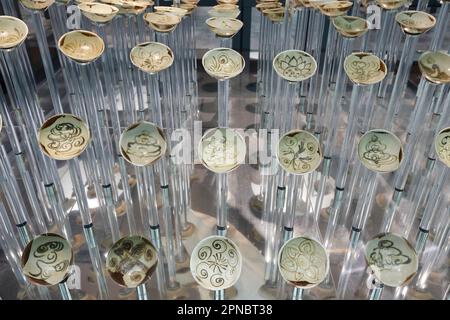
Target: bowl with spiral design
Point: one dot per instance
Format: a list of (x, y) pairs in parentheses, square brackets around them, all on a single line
[(13, 32), (223, 63)]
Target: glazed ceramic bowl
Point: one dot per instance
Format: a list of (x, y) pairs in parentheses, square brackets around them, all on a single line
[(173, 10), (13, 32), (364, 68), (275, 14), (142, 144), (224, 14), (299, 152), (222, 150), (380, 151), (98, 12), (294, 65), (195, 2), (392, 259), (37, 4), (350, 27), (303, 262), (224, 27), (225, 7), (64, 136), (268, 5), (223, 63), (435, 66), (81, 46), (415, 22), (46, 259), (151, 57), (391, 4), (442, 146), (216, 263), (227, 1), (335, 8), (131, 7), (131, 261), (161, 21), (188, 7)]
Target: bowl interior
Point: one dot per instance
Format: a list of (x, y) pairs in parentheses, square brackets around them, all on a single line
[(37, 4), (13, 32), (365, 68), (152, 57), (223, 63), (295, 65), (104, 12), (435, 66), (351, 26), (81, 45), (415, 22), (227, 26)]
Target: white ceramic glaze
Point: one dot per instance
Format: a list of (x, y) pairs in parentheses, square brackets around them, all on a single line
[(415, 22), (151, 57), (364, 68), (303, 262), (435, 66), (223, 63), (216, 263), (224, 27), (350, 26), (442, 146), (162, 21), (37, 4), (81, 46), (392, 259), (98, 12), (142, 144), (294, 65), (63, 136), (13, 32), (380, 150)]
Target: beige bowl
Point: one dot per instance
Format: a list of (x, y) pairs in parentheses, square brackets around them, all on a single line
[(222, 150), (275, 15), (173, 10), (380, 150), (442, 146), (131, 7), (268, 5), (350, 27), (223, 63), (294, 65), (303, 262), (392, 259), (151, 57), (13, 32), (46, 259), (224, 27), (227, 1), (98, 12), (435, 66), (415, 22), (391, 4), (364, 68), (142, 143), (81, 46), (37, 4), (188, 7), (195, 2), (299, 152), (335, 8), (64, 136), (162, 21), (131, 261)]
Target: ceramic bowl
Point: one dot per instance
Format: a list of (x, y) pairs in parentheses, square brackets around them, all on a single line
[(227, 1), (37, 4), (64, 136), (188, 7), (131, 7), (275, 14), (173, 10), (294, 65), (442, 146), (391, 4), (13, 32), (224, 27), (151, 57), (162, 21), (81, 46), (364, 68), (131, 261), (268, 5), (415, 22), (98, 12), (224, 14), (223, 63), (142, 144), (335, 8), (216, 263), (435, 66), (225, 7), (380, 150), (299, 152), (392, 259), (350, 27), (46, 259), (303, 262), (222, 150), (195, 2)]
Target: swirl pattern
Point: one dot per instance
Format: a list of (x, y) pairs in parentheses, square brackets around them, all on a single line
[(152, 57), (223, 63), (442, 146)]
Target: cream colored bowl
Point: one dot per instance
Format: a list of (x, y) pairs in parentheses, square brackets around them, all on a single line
[(81, 46), (299, 152), (13, 32), (131, 261), (173, 10), (222, 150), (223, 63), (364, 68), (216, 263), (46, 259), (37, 4), (391, 4), (380, 150), (224, 27), (442, 146), (435, 66), (64, 136), (303, 262), (415, 22), (335, 8), (98, 12), (350, 27), (162, 21), (151, 57), (294, 65)]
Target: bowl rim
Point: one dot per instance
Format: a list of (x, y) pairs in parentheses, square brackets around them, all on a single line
[(209, 52), (21, 23), (81, 31), (145, 44), (294, 51)]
